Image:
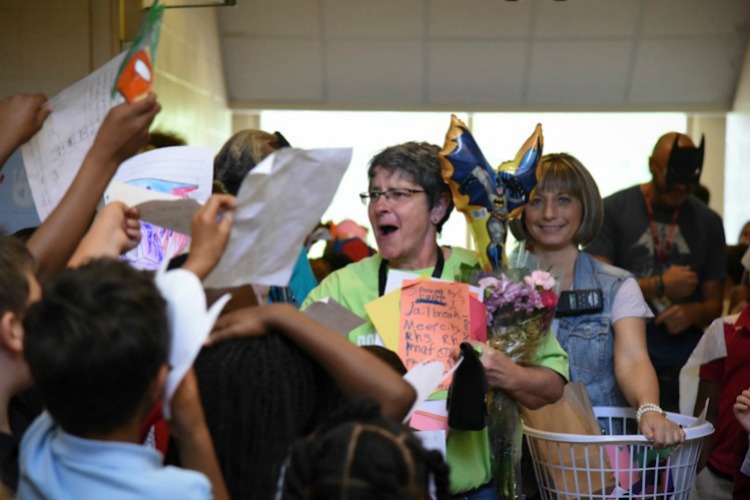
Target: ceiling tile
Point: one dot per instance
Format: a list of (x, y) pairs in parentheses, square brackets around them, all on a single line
[(261, 69), (578, 72), (499, 52), (292, 18), (476, 72), (685, 71), (586, 18), (374, 19), (374, 71), (478, 19), (695, 17)]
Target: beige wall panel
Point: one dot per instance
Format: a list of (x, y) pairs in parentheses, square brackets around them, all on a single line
[(44, 45), (189, 78)]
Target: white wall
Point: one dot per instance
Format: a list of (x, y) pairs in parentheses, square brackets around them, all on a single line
[(737, 169)]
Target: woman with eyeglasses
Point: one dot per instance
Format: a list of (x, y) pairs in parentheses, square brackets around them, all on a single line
[(408, 202)]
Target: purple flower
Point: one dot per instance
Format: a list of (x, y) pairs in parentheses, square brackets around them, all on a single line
[(506, 297)]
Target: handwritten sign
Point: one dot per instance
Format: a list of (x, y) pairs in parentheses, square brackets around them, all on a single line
[(54, 155), (434, 320)]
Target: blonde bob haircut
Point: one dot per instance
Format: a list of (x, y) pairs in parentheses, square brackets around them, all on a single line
[(564, 173)]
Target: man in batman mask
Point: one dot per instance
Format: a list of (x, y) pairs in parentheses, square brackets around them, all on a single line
[(674, 245)]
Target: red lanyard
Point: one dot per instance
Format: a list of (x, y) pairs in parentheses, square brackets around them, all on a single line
[(661, 253)]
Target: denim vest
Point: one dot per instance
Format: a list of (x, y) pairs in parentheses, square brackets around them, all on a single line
[(589, 339)]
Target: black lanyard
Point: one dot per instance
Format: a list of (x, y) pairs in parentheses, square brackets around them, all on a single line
[(383, 271)]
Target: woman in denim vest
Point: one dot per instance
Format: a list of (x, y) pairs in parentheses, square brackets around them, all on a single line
[(607, 342)]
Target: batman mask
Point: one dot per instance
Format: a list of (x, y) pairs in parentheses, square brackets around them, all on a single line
[(685, 163)]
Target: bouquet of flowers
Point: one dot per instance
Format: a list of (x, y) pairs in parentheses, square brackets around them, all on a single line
[(520, 307)]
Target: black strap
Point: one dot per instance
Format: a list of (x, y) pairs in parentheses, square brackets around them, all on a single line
[(383, 271)]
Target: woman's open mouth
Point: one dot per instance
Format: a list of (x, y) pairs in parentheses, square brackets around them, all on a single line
[(387, 230)]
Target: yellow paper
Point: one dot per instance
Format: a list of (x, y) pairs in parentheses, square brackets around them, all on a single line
[(383, 313)]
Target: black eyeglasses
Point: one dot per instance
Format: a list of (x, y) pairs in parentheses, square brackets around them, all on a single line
[(393, 196)]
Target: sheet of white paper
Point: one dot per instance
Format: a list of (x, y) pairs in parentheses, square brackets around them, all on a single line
[(165, 210), (54, 155), (278, 203), (437, 407), (187, 170), (425, 378), (702, 416), (183, 171), (711, 346), (432, 440), (189, 323)]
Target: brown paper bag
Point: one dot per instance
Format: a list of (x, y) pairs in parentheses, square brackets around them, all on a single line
[(566, 464)]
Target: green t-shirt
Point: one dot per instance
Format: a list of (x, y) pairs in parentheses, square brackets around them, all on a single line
[(468, 452), (357, 284)]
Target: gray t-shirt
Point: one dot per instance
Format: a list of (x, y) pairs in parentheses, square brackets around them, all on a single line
[(697, 241)]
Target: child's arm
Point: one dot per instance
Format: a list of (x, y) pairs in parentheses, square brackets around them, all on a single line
[(188, 428), (356, 371), (742, 409), (115, 230), (123, 132), (21, 116), (209, 234)]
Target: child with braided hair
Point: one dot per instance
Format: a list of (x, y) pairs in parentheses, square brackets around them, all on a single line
[(359, 454), (271, 375), (260, 395)]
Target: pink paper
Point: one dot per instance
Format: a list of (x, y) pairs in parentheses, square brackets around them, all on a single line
[(477, 319), (423, 421), (620, 461)]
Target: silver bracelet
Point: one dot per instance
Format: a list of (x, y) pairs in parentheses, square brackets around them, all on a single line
[(647, 407)]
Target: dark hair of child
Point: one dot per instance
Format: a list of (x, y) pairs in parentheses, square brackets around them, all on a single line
[(260, 394), (361, 455), (94, 344), (15, 263)]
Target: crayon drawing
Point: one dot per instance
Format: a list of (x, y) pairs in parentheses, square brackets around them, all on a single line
[(158, 243)]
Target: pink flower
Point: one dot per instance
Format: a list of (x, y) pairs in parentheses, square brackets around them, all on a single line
[(489, 281), (549, 299), (541, 279)]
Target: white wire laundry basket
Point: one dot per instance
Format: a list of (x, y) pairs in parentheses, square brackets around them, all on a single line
[(616, 465)]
